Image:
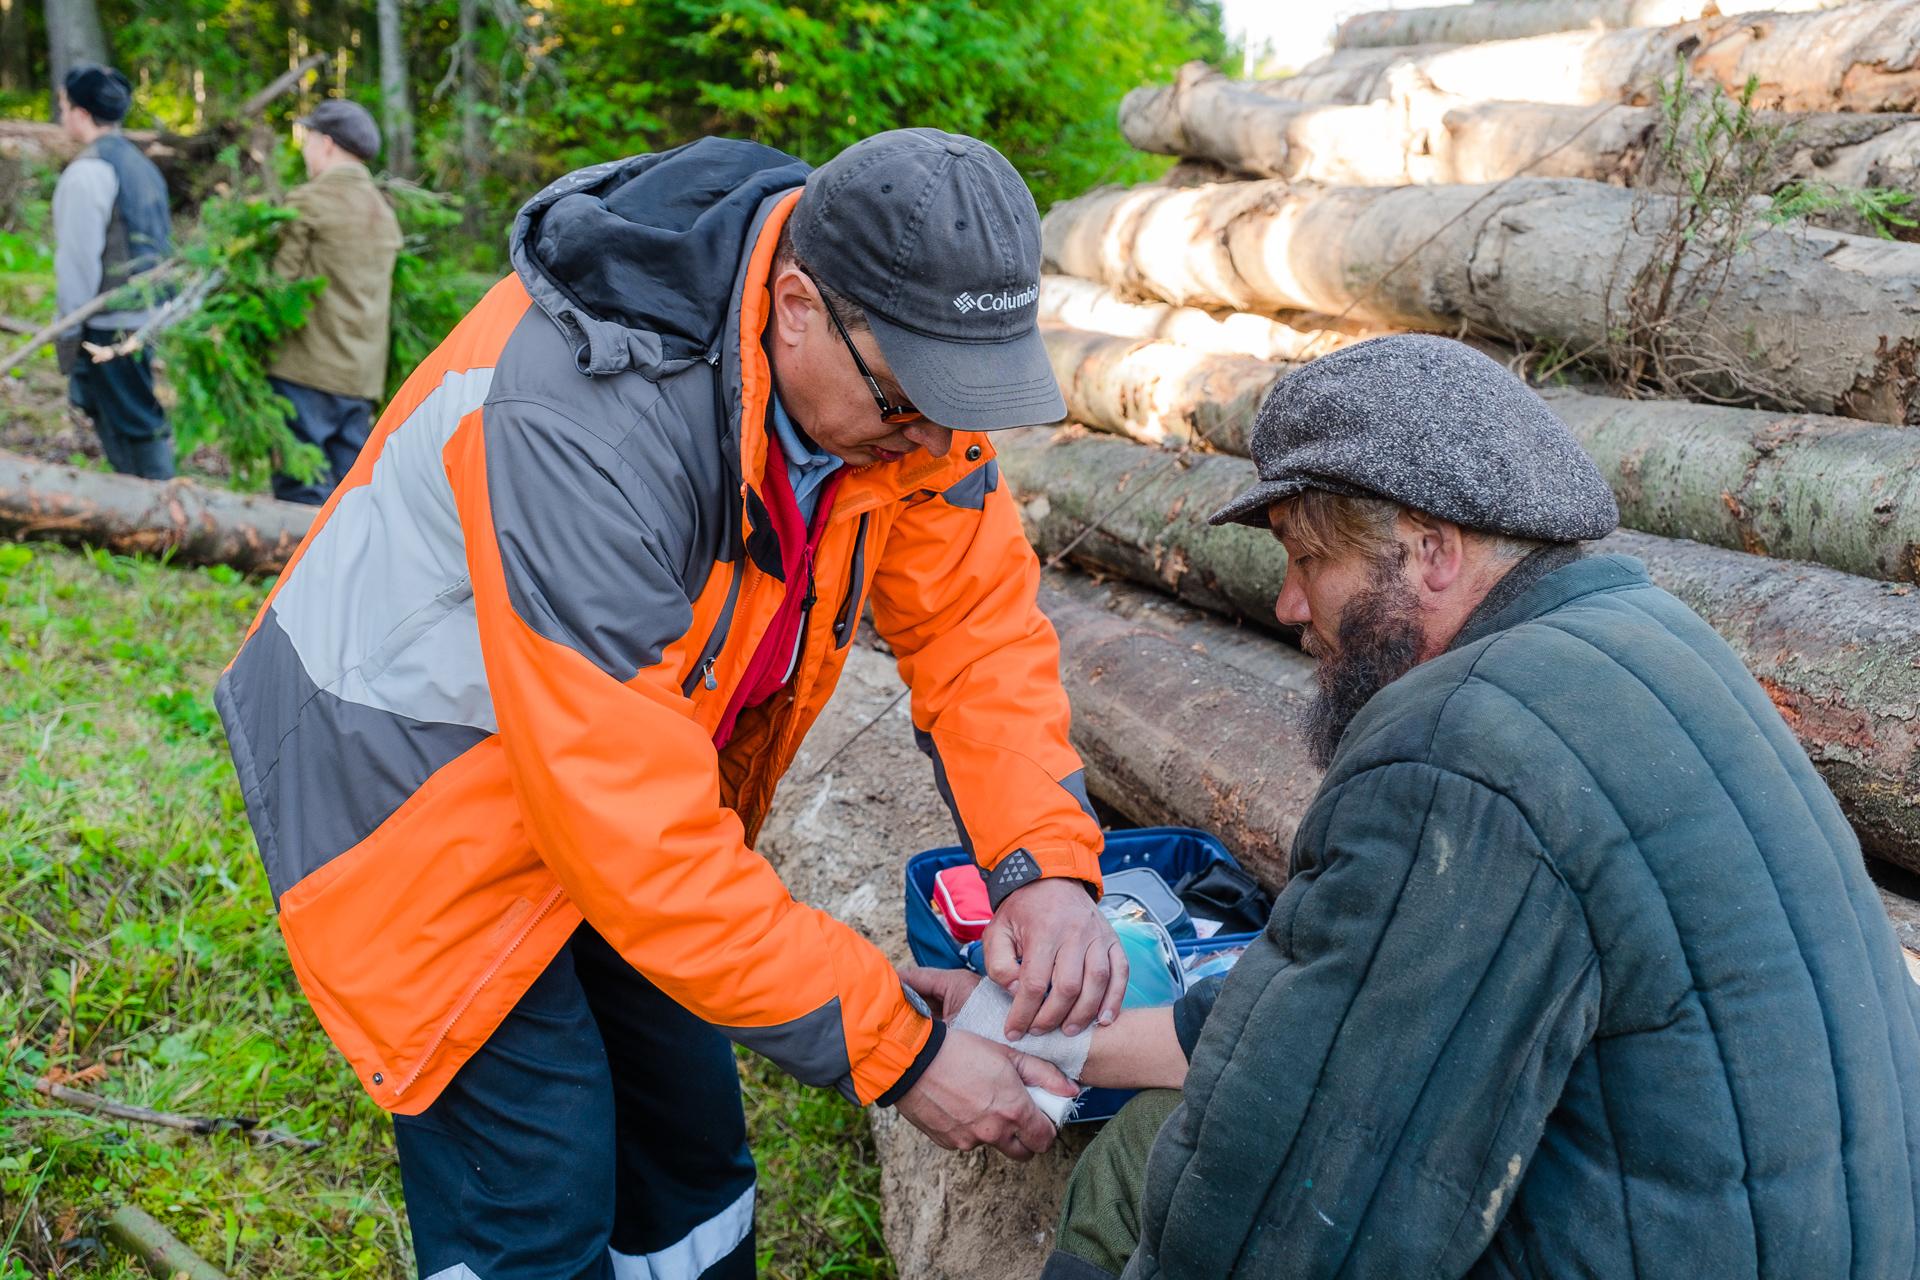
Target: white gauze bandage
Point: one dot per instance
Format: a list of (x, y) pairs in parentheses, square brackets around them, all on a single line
[(985, 1015)]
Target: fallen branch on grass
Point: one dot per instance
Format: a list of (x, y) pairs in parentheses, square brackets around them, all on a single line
[(83, 1101), (158, 1249)]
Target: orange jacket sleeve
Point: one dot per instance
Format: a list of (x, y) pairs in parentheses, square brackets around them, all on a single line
[(577, 582), (955, 595)]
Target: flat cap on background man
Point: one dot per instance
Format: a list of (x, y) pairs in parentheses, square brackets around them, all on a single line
[(347, 123)]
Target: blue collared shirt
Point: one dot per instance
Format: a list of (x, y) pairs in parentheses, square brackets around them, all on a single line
[(808, 465)]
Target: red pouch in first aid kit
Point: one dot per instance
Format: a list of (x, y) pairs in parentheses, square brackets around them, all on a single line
[(960, 900)]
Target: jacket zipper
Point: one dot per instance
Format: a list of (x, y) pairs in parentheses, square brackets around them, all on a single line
[(702, 672), (473, 993), (849, 620)]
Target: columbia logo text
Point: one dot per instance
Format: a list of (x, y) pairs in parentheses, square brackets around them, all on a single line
[(1001, 301)]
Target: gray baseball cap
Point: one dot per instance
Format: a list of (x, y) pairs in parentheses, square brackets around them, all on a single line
[(1434, 425), (347, 123), (938, 240)]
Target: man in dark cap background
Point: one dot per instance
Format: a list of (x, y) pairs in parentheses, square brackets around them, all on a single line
[(334, 368), (1578, 971), (110, 222)]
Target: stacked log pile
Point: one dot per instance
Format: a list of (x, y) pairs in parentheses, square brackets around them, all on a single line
[(1479, 171), (1472, 171), (1437, 173)]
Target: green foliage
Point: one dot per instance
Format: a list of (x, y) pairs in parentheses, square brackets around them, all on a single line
[(1039, 79), (430, 290), (1712, 184), (1881, 209), (138, 947), (216, 356)]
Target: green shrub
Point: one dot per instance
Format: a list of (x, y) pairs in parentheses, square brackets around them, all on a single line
[(216, 356)]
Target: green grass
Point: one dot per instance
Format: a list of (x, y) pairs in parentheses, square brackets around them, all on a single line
[(137, 945)]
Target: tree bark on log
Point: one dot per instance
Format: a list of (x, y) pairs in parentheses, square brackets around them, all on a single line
[(126, 514), (1862, 57), (1427, 139), (1834, 491), (1172, 735), (1835, 652), (1519, 19), (1808, 319), (1083, 304)]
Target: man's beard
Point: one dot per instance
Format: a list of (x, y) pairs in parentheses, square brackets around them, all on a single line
[(1380, 640)]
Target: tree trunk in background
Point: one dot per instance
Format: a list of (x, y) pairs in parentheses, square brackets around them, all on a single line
[(128, 514), (1426, 138), (15, 68), (74, 35), (396, 107), (1862, 57), (1518, 19), (473, 151), (1831, 650), (1808, 319), (1835, 491)]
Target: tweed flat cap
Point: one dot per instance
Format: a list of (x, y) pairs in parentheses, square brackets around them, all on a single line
[(347, 123), (1431, 424)]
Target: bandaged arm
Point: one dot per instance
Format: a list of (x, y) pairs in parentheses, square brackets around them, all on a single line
[(1140, 1050)]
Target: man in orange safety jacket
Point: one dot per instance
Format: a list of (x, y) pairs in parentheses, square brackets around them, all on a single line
[(510, 722)]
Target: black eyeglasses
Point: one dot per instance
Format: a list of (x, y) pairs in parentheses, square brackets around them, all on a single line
[(894, 415)]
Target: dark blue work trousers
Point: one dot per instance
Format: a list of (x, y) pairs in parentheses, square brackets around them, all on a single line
[(338, 425), (117, 397), (598, 1135)]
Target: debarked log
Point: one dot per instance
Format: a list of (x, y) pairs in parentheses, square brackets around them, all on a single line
[(1804, 319), (1838, 492), (1838, 654), (1085, 304), (195, 524), (1172, 734), (1859, 57), (1518, 19), (1427, 138)]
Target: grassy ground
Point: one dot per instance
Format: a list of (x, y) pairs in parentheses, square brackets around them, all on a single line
[(139, 959)]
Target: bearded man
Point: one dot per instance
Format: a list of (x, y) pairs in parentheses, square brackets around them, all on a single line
[(1578, 971)]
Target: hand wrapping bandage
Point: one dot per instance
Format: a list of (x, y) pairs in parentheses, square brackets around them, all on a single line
[(985, 1015)]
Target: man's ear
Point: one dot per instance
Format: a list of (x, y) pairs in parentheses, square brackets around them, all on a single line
[(796, 304), (1437, 550)]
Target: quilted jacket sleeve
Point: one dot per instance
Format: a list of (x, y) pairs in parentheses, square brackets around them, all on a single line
[(954, 594), (1396, 1041)]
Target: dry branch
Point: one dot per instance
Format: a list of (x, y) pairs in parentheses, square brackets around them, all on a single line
[(196, 525), (83, 1101), (1518, 19), (158, 1249), (1808, 319), (1423, 138), (1835, 652), (1838, 492), (1861, 57)]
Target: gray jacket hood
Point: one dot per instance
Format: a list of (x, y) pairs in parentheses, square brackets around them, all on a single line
[(635, 260)]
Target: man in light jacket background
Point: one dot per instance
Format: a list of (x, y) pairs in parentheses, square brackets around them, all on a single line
[(110, 223)]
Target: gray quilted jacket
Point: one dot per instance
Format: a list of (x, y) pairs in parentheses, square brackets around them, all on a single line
[(1579, 973)]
